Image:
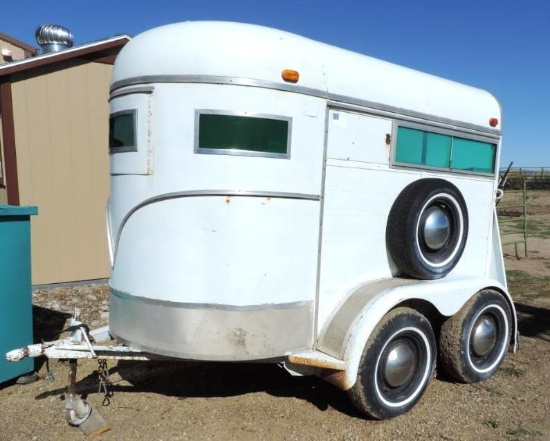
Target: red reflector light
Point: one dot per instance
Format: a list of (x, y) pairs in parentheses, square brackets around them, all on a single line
[(493, 122)]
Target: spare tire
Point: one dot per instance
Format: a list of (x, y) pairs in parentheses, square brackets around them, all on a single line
[(427, 228)]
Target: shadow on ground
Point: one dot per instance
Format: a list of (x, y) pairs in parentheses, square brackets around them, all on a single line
[(206, 379), (533, 321), (47, 326)]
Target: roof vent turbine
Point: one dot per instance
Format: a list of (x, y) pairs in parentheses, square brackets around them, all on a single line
[(53, 38)]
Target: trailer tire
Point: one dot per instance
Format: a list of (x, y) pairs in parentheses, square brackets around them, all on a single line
[(427, 228), (474, 341), (396, 366)]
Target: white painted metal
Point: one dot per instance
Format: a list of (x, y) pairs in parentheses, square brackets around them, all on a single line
[(256, 52), (194, 235), (448, 295), (360, 189), (66, 349)]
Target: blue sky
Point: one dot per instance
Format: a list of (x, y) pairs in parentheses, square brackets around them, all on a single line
[(501, 46)]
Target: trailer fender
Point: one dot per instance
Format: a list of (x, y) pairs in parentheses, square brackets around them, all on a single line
[(350, 327)]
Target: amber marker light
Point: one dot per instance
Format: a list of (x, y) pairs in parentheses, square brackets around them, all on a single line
[(493, 122), (290, 76)]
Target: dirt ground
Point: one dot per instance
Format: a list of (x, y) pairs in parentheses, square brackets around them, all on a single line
[(221, 401)]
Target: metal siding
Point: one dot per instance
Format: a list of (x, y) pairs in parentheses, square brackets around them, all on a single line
[(360, 189), (212, 332), (16, 52), (214, 249), (61, 126), (192, 48)]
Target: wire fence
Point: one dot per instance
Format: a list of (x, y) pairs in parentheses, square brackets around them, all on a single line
[(536, 178), (512, 218)]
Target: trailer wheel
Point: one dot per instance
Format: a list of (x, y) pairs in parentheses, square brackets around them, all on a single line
[(427, 228), (473, 342), (396, 366)]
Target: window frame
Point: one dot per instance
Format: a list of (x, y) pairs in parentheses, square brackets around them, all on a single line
[(125, 149), (241, 152), (448, 132)]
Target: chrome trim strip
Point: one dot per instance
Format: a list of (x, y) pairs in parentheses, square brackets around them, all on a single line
[(211, 79), (444, 131), (336, 100), (321, 218), (109, 232), (215, 306), (207, 193), (357, 105), (396, 124), (126, 148), (131, 90), (425, 121)]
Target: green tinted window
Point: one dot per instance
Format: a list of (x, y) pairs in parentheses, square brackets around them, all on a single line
[(409, 146), (473, 155), (420, 147), (243, 135), (423, 148), (122, 131)]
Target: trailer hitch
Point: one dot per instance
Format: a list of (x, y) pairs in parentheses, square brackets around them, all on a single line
[(81, 343)]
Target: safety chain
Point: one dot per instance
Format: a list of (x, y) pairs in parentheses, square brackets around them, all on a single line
[(105, 385)]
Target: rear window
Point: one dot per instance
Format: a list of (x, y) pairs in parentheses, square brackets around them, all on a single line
[(122, 131), (243, 135)]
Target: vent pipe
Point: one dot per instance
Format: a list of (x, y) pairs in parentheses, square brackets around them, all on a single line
[(53, 38)]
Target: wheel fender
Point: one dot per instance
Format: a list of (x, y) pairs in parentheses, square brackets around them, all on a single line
[(436, 292)]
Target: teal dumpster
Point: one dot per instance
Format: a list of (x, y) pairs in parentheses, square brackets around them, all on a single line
[(15, 287)]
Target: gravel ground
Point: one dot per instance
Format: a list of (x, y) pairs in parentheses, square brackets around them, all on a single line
[(220, 401)]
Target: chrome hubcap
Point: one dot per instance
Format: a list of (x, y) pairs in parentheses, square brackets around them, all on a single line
[(484, 337), (400, 363), (437, 228)]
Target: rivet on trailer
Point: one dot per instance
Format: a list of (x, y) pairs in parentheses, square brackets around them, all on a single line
[(277, 199)]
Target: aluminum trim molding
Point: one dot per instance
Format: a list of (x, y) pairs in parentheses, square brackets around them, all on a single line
[(336, 100), (211, 332), (201, 193), (216, 306)]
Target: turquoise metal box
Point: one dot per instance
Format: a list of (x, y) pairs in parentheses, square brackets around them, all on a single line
[(15, 287)]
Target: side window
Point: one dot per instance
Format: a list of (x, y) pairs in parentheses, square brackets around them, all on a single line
[(122, 131), (428, 149), (473, 155), (423, 148), (231, 134)]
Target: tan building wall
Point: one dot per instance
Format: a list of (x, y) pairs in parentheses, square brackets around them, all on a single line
[(61, 133), (16, 52)]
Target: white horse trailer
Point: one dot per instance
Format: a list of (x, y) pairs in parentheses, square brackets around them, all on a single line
[(278, 199)]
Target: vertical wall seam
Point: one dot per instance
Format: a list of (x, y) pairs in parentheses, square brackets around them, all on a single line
[(8, 133)]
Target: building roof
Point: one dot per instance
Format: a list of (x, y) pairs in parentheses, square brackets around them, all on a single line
[(103, 51), (15, 42)]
